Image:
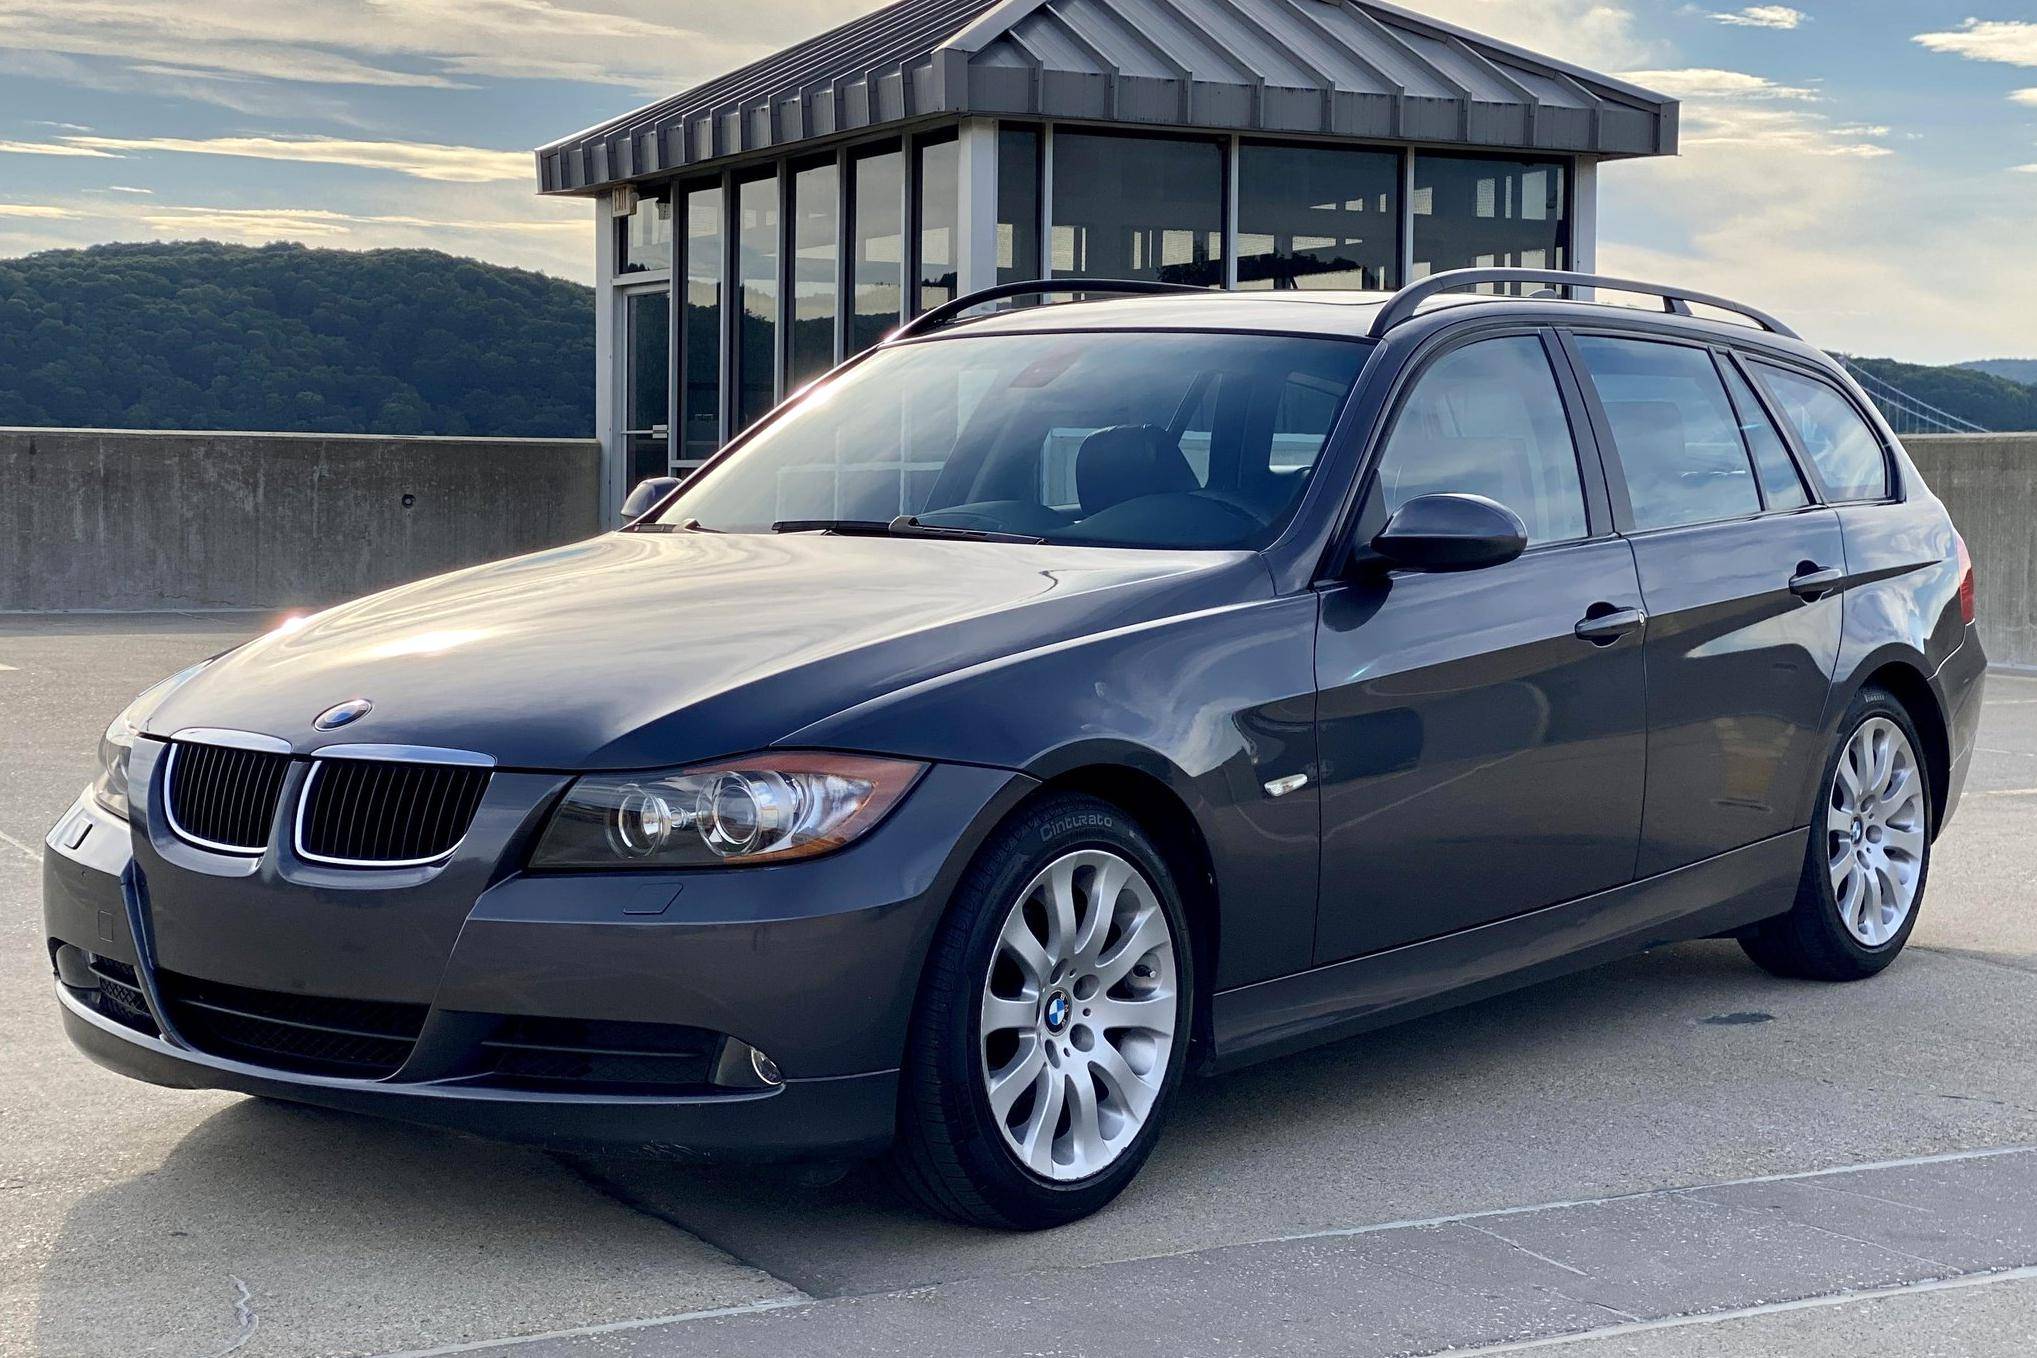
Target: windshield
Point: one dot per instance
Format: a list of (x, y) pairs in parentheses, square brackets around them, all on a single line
[(1103, 438)]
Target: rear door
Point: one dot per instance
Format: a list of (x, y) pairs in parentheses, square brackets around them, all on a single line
[(1479, 757), (1740, 573)]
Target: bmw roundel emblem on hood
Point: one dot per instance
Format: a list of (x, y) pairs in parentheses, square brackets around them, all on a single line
[(343, 714)]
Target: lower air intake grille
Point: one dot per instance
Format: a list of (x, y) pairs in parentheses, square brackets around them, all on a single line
[(312, 1034), (224, 798), (119, 995), (601, 1056), (375, 813)]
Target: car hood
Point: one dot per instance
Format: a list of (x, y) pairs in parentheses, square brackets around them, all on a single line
[(635, 650)]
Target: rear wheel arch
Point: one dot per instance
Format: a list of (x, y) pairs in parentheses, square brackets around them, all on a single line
[(1905, 682)]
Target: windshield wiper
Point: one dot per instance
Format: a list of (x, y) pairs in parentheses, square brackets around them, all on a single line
[(863, 527), (904, 526), (907, 526)]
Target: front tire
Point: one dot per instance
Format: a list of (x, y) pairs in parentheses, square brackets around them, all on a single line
[(1868, 858), (1053, 1022)]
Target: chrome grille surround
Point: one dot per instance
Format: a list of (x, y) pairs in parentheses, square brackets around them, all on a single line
[(232, 782), (388, 806)]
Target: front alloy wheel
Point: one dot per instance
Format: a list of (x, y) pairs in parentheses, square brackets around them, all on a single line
[(1052, 1024), (1078, 1014)]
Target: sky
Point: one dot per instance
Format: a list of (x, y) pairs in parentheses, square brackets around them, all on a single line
[(1866, 168)]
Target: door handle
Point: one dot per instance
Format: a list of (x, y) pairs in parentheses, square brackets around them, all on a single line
[(1603, 629), (1816, 582)]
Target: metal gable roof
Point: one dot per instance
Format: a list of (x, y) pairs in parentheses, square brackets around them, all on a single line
[(1350, 68)]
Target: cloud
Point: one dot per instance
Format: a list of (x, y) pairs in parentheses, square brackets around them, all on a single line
[(266, 224), (1763, 16), (1704, 82), (52, 148), (419, 160), (1602, 34), (121, 188), (2024, 97), (39, 211), (2026, 169), (2012, 41)]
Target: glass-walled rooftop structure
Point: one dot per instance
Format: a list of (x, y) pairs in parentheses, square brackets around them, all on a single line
[(756, 231)]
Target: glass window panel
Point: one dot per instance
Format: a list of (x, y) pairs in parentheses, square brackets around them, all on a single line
[(643, 240), (1476, 213), (1488, 420), (757, 346), (1842, 445), (1018, 204), (940, 220), (1161, 440), (1676, 434), (816, 252), (1138, 207), (701, 415), (647, 372), (1781, 486), (1317, 217), (879, 262)]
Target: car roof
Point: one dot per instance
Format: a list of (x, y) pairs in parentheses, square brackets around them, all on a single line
[(1350, 315)]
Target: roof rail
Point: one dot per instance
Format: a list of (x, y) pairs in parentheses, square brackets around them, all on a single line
[(1675, 301), (947, 311)]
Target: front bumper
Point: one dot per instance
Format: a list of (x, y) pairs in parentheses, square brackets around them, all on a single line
[(815, 964)]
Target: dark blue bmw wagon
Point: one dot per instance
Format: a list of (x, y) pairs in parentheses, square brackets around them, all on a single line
[(1049, 702)]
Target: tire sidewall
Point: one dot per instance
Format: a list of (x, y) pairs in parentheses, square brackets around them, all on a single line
[(1057, 826)]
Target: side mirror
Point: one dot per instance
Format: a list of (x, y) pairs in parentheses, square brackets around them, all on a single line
[(1451, 533), (649, 491)]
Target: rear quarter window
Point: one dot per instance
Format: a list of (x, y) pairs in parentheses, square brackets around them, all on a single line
[(1841, 444)]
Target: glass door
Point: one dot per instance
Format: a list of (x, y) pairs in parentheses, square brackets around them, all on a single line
[(647, 384)]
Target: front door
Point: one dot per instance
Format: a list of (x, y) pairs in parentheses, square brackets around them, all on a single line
[(1480, 758), (1740, 575)]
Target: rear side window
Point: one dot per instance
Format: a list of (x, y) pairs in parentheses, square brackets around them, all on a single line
[(1781, 487), (1488, 420), (1841, 444), (1678, 438)]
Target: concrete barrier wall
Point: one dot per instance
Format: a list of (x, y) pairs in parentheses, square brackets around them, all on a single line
[(114, 519), (1989, 482)]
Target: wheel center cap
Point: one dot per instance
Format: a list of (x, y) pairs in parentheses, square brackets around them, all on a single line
[(1055, 1014), (1859, 830)]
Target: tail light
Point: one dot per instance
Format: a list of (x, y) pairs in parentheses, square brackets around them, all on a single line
[(1966, 585)]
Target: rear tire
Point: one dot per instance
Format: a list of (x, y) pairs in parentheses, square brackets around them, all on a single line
[(1052, 1025), (1868, 858)]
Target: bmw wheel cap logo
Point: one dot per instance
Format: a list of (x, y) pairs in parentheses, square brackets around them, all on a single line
[(1057, 1012), (343, 714)]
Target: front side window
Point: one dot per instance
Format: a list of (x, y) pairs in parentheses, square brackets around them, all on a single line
[(1195, 441), (1678, 438), (1841, 444), (1488, 419)]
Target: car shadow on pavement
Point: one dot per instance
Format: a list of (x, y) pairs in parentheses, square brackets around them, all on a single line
[(1682, 1066), (349, 1233)]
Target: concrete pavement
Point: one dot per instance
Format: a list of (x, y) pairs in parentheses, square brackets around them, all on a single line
[(1591, 1162)]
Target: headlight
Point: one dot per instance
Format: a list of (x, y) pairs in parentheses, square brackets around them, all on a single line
[(110, 788), (764, 809)]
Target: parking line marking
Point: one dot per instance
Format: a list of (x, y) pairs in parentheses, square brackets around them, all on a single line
[(10, 668), (2008, 792), (34, 854), (612, 1327), (1773, 1308)]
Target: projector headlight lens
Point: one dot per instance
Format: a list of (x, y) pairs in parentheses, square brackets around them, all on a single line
[(765, 809)]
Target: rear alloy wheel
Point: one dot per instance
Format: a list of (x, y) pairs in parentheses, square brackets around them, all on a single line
[(1869, 854), (1052, 1024)]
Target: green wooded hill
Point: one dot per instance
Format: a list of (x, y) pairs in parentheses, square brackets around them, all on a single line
[(1989, 401), (2022, 370), (200, 335)]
